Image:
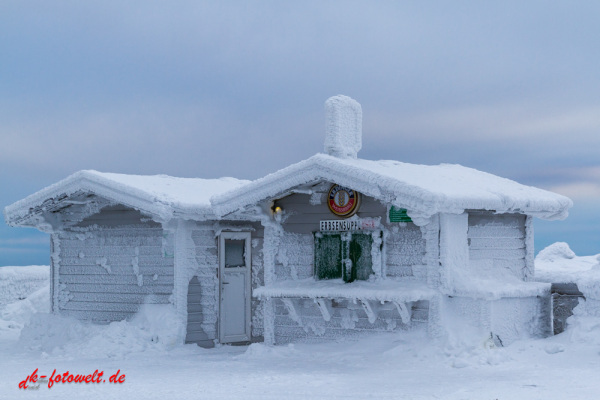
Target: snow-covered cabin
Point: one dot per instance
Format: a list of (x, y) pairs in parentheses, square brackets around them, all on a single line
[(330, 247)]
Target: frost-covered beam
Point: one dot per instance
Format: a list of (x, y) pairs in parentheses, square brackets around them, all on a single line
[(35, 215), (63, 211), (454, 248), (431, 234), (185, 267), (371, 311), (54, 268), (272, 237), (529, 269), (324, 308), (290, 306), (403, 312)]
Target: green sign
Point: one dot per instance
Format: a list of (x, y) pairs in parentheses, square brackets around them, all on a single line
[(399, 215)]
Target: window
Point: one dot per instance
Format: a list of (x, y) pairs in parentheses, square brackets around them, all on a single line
[(234, 253), (344, 255)]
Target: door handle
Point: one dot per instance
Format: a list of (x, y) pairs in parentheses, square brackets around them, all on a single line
[(225, 283)]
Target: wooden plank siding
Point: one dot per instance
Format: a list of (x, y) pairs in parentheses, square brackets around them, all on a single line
[(118, 280), (497, 241), (405, 252), (295, 257), (97, 261), (343, 322)]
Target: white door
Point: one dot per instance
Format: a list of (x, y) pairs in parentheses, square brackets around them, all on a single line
[(234, 287)]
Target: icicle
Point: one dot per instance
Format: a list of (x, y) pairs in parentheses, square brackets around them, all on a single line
[(55, 260)]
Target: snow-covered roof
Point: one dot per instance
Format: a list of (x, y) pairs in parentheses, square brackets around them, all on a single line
[(422, 189), (158, 195)]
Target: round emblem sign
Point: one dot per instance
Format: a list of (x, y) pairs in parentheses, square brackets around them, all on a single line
[(343, 201)]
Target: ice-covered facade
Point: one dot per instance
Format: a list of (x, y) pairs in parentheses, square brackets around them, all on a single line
[(330, 247)]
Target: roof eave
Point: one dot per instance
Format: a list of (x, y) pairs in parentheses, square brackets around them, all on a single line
[(421, 202), (20, 212), (307, 171)]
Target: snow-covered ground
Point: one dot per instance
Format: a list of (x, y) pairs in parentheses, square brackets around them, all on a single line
[(391, 366), (558, 263), (17, 282)]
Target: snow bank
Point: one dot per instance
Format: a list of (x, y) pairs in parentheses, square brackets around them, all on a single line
[(17, 283), (493, 284), (557, 263), (555, 252), (21, 310), (14, 316), (584, 325), (24, 291), (155, 328)]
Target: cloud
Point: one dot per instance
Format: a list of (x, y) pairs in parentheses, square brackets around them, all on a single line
[(531, 121), (205, 89), (579, 190), (160, 136)]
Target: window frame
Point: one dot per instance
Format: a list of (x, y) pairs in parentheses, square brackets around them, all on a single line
[(347, 257)]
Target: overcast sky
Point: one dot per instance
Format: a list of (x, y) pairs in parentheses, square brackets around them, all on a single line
[(210, 89)]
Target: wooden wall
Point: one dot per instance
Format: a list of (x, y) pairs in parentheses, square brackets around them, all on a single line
[(497, 241), (347, 319), (110, 263)]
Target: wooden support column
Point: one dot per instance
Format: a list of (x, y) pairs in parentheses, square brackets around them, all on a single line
[(454, 248)]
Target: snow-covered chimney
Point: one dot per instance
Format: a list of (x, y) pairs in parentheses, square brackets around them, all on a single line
[(343, 136)]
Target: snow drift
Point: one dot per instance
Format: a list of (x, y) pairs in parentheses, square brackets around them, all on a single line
[(154, 329), (16, 283), (557, 263)]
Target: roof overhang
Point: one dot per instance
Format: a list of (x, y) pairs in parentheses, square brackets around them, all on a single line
[(423, 190), (421, 201), (31, 210)]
